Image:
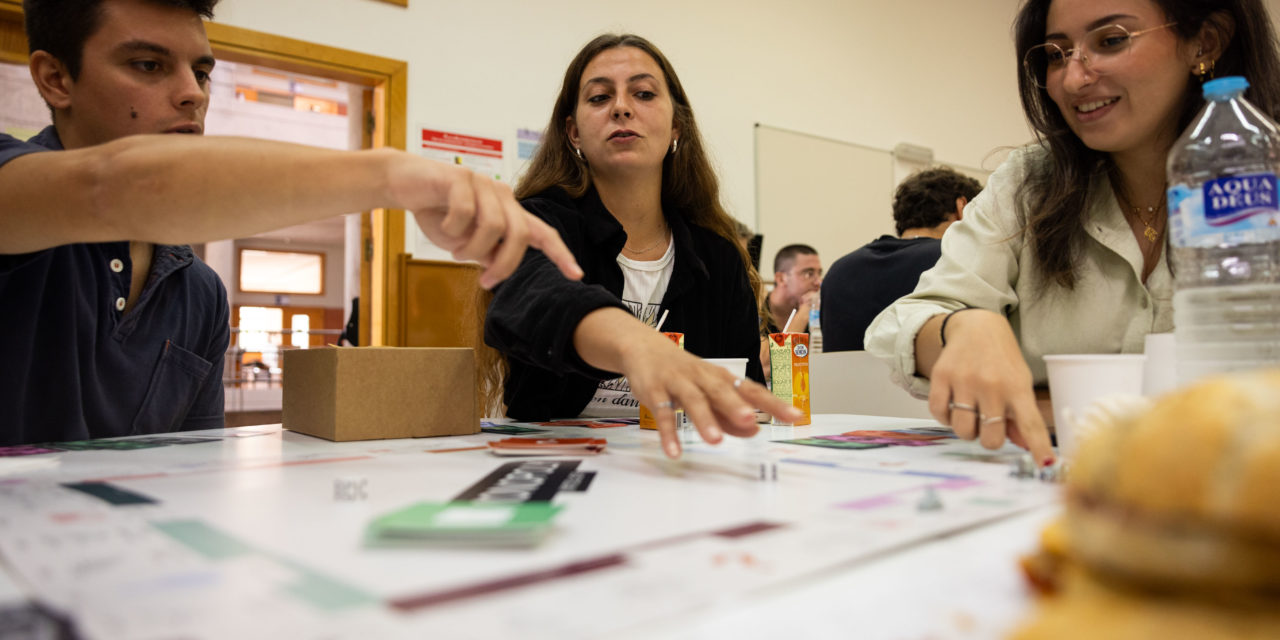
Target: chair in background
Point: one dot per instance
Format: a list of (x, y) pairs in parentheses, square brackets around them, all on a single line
[(856, 382)]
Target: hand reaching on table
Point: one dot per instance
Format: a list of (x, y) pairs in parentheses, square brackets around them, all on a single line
[(664, 377), (980, 384)]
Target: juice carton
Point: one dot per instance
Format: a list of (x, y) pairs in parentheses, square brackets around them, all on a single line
[(647, 419), (789, 359)]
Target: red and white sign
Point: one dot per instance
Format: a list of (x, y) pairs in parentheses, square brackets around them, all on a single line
[(461, 144)]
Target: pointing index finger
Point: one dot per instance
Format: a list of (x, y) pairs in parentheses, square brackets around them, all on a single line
[(1033, 430), (543, 237)]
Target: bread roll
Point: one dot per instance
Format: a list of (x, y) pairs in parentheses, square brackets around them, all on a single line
[(1187, 494), (1172, 522)]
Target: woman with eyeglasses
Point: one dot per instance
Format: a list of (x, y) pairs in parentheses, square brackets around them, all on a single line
[(1064, 251), (623, 176)]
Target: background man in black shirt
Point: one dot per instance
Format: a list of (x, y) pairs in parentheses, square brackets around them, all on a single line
[(861, 284)]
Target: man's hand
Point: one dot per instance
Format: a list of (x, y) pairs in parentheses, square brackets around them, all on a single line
[(475, 218)]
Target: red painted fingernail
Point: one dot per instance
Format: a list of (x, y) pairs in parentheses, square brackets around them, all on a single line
[(1047, 462)]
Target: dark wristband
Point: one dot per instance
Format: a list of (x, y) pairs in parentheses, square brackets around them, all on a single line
[(942, 331)]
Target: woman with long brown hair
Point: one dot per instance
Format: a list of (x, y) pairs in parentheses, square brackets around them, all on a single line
[(623, 176), (1065, 250)]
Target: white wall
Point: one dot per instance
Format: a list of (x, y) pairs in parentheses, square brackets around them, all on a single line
[(938, 73), (22, 112)]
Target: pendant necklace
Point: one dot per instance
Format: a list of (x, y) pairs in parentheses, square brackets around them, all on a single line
[(1147, 220)]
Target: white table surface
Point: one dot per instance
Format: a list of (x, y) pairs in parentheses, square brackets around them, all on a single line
[(854, 556)]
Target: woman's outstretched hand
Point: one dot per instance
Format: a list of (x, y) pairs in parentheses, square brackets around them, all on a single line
[(979, 383), (664, 378)]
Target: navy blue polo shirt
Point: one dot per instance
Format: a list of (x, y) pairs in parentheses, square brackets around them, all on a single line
[(74, 365)]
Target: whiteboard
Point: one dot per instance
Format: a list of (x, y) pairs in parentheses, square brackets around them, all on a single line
[(834, 196), (830, 194)]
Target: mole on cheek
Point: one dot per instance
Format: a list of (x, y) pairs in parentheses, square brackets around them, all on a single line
[(133, 114)]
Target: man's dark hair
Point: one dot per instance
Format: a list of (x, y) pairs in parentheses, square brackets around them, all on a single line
[(787, 255), (926, 198), (61, 27)]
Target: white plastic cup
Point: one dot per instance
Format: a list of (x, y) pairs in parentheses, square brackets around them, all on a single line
[(1160, 374), (1076, 380), (736, 366)]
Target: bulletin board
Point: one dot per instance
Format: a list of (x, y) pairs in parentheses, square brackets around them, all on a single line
[(834, 196)]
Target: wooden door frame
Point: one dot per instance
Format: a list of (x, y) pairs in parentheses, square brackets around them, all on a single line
[(383, 240)]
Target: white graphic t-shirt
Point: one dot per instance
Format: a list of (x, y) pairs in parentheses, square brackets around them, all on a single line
[(644, 284)]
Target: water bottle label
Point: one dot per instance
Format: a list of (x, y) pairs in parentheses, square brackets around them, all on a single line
[(1225, 210), (1230, 199)]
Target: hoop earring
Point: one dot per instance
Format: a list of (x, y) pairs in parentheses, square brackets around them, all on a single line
[(675, 143)]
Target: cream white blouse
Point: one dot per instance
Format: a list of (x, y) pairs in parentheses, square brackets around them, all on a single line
[(987, 262)]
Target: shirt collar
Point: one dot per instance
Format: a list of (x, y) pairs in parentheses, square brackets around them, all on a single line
[(168, 258), (48, 138)]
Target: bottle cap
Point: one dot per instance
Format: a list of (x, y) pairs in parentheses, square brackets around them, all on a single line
[(1225, 87)]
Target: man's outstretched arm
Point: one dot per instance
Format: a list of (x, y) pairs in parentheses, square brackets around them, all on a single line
[(187, 189)]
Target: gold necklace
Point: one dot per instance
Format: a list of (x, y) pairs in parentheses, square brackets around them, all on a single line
[(1147, 221), (1150, 231), (649, 248)]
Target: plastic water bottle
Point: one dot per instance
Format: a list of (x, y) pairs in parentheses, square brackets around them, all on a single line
[(1224, 226), (815, 325)]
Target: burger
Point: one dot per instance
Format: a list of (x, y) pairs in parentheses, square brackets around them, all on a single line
[(1172, 521)]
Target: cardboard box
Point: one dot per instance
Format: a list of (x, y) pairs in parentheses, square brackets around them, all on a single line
[(370, 393)]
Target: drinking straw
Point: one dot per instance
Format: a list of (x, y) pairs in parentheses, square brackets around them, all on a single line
[(662, 320), (789, 319)]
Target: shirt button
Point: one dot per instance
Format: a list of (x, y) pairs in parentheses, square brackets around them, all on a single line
[(117, 266), (120, 304)]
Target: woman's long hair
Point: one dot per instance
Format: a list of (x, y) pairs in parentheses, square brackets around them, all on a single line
[(1054, 197), (689, 184)]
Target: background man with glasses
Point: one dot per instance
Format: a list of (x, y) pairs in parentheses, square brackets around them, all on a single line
[(797, 275)]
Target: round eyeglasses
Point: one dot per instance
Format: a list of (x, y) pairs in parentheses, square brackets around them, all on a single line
[(1098, 51)]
